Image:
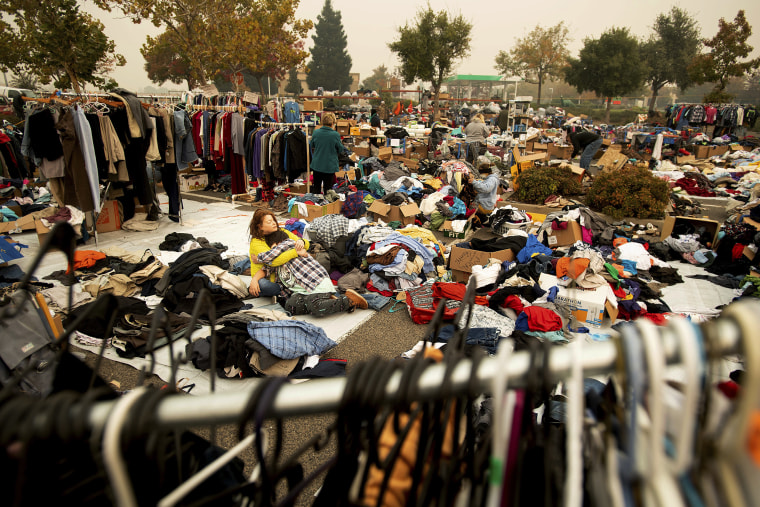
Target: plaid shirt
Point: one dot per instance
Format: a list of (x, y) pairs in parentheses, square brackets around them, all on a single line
[(289, 339), (327, 229), (307, 271)]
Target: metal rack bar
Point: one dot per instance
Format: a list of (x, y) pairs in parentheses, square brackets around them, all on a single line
[(324, 395)]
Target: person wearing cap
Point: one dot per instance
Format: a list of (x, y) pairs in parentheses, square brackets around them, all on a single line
[(585, 142), (486, 192), (284, 257)]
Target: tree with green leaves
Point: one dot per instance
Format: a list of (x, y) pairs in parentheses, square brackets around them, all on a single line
[(724, 58), (330, 64), (428, 48), (57, 42), (539, 56), (294, 84), (26, 80), (204, 39), (609, 66), (378, 80), (669, 51), (163, 61)]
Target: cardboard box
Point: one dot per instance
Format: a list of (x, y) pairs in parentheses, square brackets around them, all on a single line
[(540, 147), (25, 223), (461, 260), (361, 151), (685, 159), (712, 227), (587, 305), (314, 211), (367, 131), (564, 237), (312, 105), (299, 188), (343, 127), (563, 152), (189, 182), (388, 213), (41, 230), (709, 151), (449, 232), (385, 153), (109, 218), (411, 163), (527, 157), (351, 174)]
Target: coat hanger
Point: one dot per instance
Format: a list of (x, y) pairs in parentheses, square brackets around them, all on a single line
[(503, 410), (659, 486), (738, 463), (113, 459)]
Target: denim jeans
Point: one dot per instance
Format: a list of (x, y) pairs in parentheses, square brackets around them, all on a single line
[(268, 288), (376, 301), (588, 153), (486, 337)]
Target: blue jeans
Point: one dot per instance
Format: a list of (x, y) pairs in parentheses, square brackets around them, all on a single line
[(588, 153), (376, 301), (268, 288)]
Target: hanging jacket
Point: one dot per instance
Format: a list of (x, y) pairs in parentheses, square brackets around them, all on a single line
[(184, 148)]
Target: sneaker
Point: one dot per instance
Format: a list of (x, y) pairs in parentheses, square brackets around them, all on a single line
[(356, 299)]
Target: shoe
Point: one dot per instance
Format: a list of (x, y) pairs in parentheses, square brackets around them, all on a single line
[(258, 195), (357, 300)]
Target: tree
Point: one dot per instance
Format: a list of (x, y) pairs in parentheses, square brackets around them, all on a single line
[(429, 47), (163, 62), (609, 66), (723, 61), (294, 84), (669, 52), (25, 79), (57, 42), (208, 38), (378, 80), (330, 64), (539, 56)]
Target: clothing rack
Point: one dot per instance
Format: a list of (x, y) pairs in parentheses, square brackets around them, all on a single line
[(308, 154), (324, 395)]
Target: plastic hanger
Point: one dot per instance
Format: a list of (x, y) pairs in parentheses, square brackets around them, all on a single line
[(660, 486), (113, 459), (503, 410), (739, 457), (575, 414)]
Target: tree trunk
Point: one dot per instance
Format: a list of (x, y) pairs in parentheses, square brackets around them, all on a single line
[(74, 81), (607, 111), (261, 88), (653, 100), (540, 84), (436, 93)]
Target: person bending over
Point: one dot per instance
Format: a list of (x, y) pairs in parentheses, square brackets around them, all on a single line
[(486, 193), (281, 264), (586, 143)]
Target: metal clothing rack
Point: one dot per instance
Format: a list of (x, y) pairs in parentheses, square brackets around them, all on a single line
[(308, 157), (324, 395)]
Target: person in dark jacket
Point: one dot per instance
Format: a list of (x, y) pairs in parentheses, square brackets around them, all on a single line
[(585, 142), (326, 146)]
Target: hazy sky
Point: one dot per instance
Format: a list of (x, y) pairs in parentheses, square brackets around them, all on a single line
[(370, 26)]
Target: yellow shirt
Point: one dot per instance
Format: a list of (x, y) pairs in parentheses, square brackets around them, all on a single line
[(259, 246)]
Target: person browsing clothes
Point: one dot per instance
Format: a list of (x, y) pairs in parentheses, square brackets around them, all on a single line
[(585, 142), (475, 134), (282, 265), (326, 146), (486, 192)]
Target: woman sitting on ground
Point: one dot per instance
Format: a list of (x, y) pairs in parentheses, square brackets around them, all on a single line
[(284, 257)]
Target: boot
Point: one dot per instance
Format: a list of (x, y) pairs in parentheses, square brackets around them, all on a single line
[(357, 301), (258, 195)]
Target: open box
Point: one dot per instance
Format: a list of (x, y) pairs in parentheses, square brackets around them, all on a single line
[(449, 232), (564, 237), (588, 306), (711, 227), (389, 213), (461, 260), (315, 211)]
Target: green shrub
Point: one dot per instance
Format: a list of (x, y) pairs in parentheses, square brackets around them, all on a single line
[(630, 192), (535, 185)]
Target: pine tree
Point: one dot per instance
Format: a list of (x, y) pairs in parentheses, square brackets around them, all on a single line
[(330, 62)]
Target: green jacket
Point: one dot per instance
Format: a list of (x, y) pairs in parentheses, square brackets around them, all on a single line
[(326, 146)]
